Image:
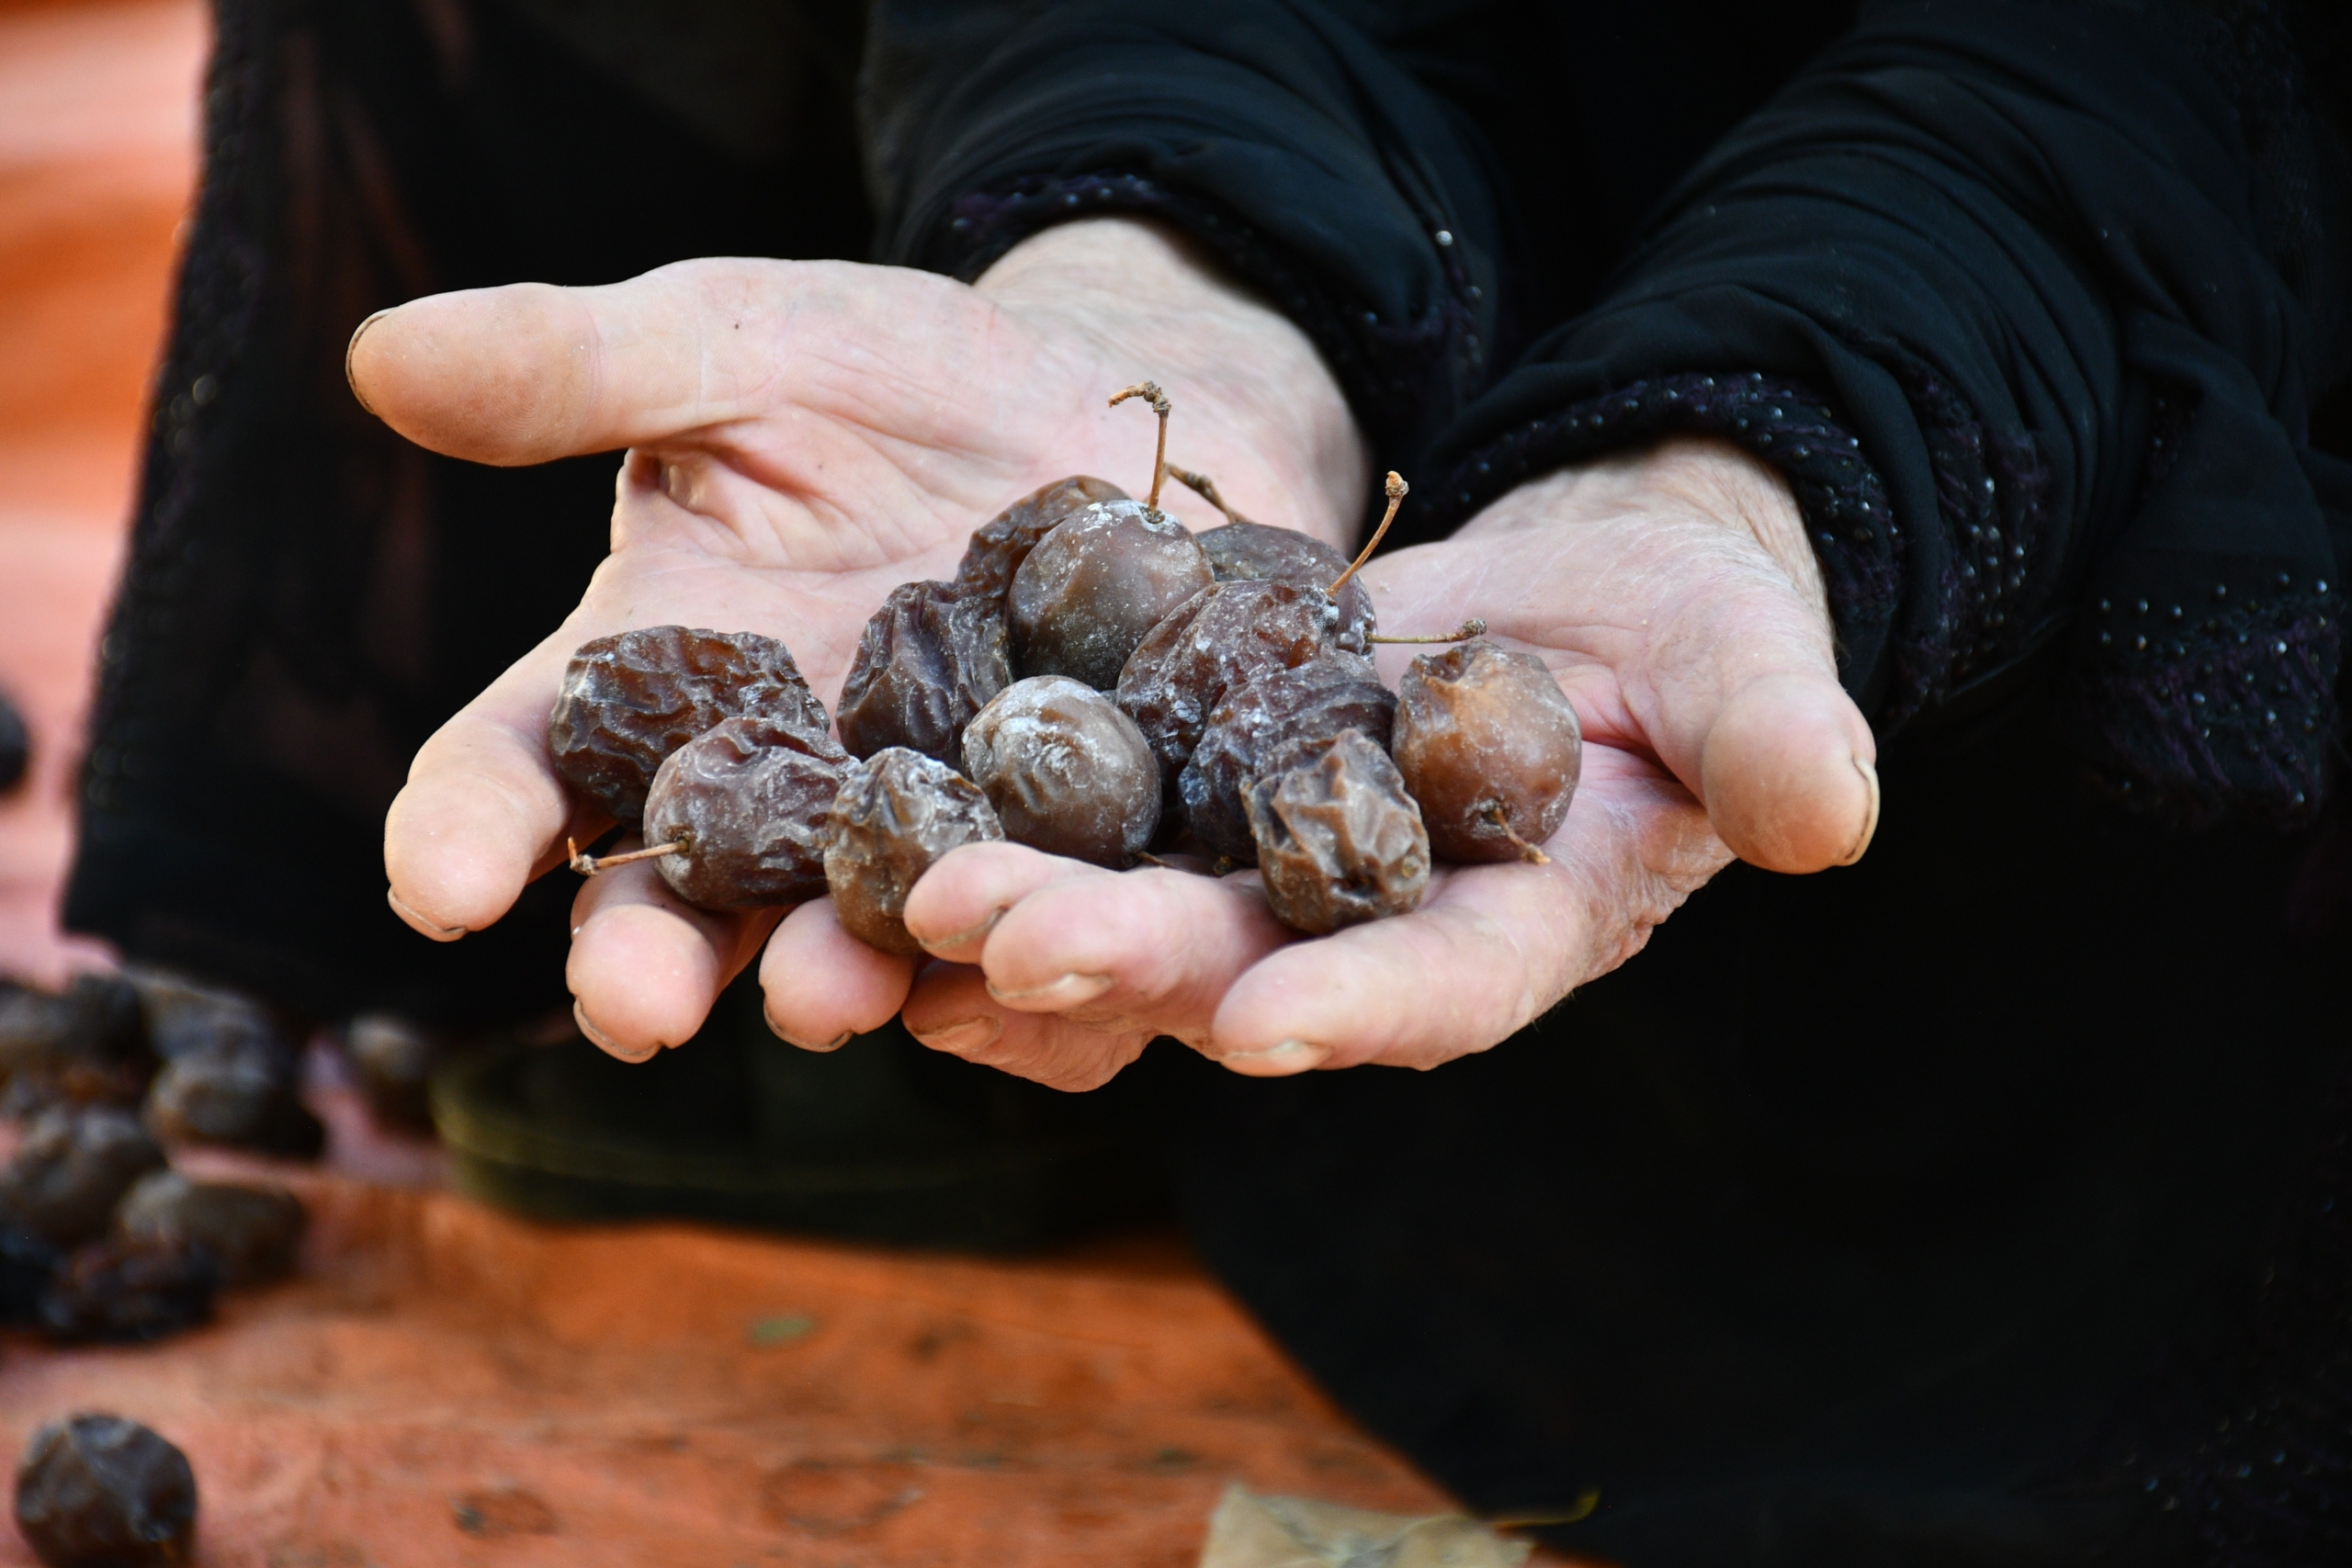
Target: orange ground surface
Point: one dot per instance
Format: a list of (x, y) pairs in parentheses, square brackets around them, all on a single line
[(448, 1385)]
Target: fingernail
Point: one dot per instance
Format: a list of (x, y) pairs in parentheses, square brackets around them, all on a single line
[(1067, 992), (606, 1043), (1277, 1061), (957, 939), (963, 1039), (352, 348), (835, 1043), (1870, 822), (418, 923)]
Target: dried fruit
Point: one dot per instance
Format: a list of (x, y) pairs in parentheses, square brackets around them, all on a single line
[(86, 1046), (185, 1015), (27, 1263), (119, 1293), (72, 1169), (1243, 551), (1226, 635), (1338, 840), (1067, 771), (1261, 718), (629, 700), (1005, 541), (747, 803), (1095, 585), (394, 1058), (236, 1090), (898, 813), (1491, 747), (251, 1233), (931, 656), (96, 1491)]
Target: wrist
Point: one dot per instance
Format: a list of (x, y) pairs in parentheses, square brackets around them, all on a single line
[(1248, 384)]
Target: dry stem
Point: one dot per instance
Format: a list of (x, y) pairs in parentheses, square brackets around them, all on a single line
[(1471, 627), (589, 866), (1159, 400), (1398, 489)]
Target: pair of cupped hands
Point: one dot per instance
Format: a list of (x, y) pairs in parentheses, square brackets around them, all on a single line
[(802, 437)]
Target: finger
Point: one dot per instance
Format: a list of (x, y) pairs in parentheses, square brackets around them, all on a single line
[(646, 966), (951, 1011), (1490, 950), (822, 985), (954, 905), (531, 372)]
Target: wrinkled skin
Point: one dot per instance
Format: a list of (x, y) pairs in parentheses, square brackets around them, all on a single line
[(1489, 746), (1095, 586), (629, 700), (930, 660), (1262, 716), (1222, 638), (1068, 772), (1340, 843), (897, 814), (99, 1489), (750, 799), (1245, 552), (1005, 541)]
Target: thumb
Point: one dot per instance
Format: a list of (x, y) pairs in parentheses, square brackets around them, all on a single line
[(1788, 774)]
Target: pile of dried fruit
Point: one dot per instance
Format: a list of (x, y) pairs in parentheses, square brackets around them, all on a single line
[(1095, 682)]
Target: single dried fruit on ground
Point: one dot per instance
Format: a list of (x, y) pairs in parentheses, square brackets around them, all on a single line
[(252, 1232), (1095, 585), (126, 1292), (1254, 552), (629, 700), (1260, 719), (930, 660), (749, 801), (96, 1491), (1066, 770), (1227, 635), (1005, 541), (1338, 840), (393, 1059), (238, 1090), (73, 1167), (898, 813), (1491, 747)]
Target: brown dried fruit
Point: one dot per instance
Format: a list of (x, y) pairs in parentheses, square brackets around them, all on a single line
[(1223, 637), (251, 1233), (1067, 771), (122, 1292), (629, 700), (1338, 840), (898, 813), (1005, 541), (749, 800), (1242, 552), (86, 1046), (96, 1491), (1491, 747), (1262, 717), (239, 1091), (71, 1170), (1095, 585), (931, 656)]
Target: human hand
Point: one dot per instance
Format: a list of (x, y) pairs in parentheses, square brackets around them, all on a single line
[(1674, 596), (802, 437)]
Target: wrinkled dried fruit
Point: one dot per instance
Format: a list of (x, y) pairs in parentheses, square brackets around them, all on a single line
[(1491, 747), (393, 1059), (1005, 541), (251, 1233), (1067, 771), (96, 1491), (898, 813), (1261, 718), (1253, 552), (1220, 639), (238, 1091), (86, 1046), (1095, 585), (929, 660), (749, 800), (121, 1292), (72, 1169), (629, 700), (185, 1015), (1338, 840)]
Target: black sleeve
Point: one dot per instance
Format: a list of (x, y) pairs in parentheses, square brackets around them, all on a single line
[(2032, 303), (1277, 135)]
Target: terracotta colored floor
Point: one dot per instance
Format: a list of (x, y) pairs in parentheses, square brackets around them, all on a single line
[(446, 1385)]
